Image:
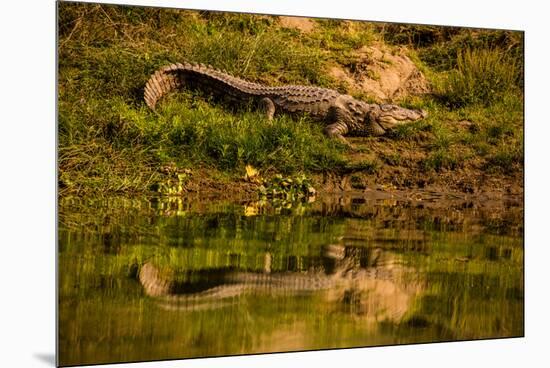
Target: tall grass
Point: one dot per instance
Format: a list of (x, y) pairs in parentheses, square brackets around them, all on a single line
[(482, 76), (193, 130)]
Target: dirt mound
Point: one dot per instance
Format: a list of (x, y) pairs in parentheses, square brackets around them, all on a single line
[(305, 25), (383, 74)]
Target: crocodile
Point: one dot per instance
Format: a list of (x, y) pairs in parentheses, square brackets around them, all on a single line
[(342, 114)]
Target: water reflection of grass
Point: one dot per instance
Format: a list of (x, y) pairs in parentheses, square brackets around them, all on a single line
[(475, 289), (223, 235), (472, 282)]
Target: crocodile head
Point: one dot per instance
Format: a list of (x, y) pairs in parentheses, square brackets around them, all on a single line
[(390, 116)]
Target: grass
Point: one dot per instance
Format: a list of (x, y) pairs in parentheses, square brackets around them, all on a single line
[(480, 77), (441, 159), (109, 142)]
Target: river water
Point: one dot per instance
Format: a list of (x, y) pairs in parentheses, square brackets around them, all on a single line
[(177, 278)]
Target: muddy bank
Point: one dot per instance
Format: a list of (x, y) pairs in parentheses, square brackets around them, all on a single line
[(398, 182)]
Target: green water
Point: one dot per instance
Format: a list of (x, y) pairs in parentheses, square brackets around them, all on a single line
[(431, 271)]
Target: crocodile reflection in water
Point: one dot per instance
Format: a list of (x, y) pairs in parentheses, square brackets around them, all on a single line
[(381, 288)]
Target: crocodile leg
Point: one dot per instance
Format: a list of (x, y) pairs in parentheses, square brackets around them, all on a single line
[(338, 126), (374, 127), (337, 130), (267, 105)]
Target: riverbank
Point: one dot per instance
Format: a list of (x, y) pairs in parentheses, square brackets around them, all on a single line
[(110, 143)]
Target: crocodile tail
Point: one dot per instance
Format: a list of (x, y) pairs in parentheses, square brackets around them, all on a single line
[(199, 76), (161, 82)]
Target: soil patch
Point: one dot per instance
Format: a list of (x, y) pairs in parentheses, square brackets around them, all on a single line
[(383, 74), (304, 25), (399, 167)]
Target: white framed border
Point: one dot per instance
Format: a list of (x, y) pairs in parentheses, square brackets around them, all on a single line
[(27, 154)]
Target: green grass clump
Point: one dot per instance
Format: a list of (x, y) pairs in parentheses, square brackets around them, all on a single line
[(441, 159), (439, 47), (482, 76), (443, 56), (287, 190), (200, 131), (506, 159)]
